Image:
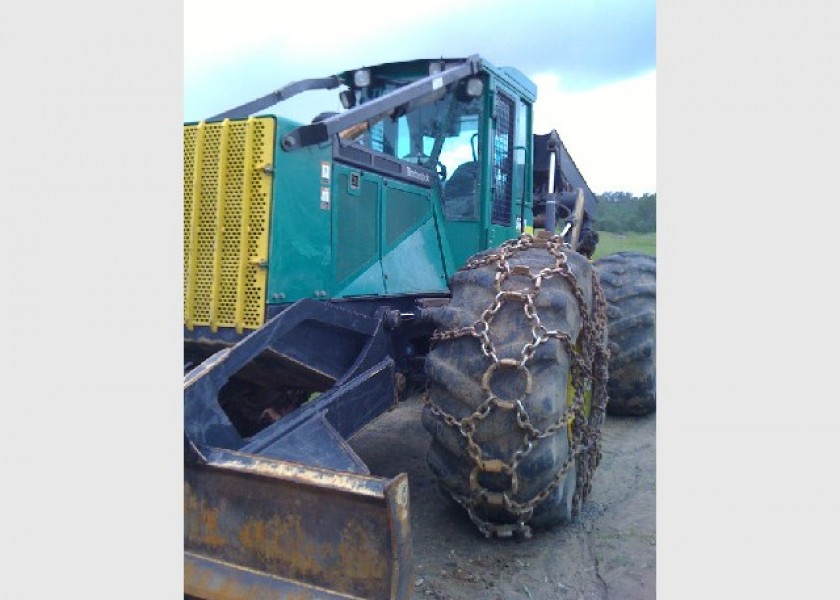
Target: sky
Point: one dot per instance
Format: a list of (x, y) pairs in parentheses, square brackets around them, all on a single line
[(594, 63)]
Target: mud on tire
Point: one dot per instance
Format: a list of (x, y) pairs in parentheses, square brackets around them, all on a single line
[(629, 283), (457, 366)]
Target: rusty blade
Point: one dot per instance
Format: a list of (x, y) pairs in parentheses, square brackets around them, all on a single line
[(262, 528)]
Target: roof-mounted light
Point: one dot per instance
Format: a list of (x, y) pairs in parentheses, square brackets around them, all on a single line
[(361, 78), (475, 87)]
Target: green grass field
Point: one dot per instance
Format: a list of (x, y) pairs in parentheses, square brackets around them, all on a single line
[(610, 243)]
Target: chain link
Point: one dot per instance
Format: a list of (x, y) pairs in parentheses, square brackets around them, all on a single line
[(588, 357)]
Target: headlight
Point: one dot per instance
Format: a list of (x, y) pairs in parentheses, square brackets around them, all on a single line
[(348, 99)]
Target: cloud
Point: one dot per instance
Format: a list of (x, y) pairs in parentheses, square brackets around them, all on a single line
[(313, 35), (592, 42), (610, 131), (578, 52)]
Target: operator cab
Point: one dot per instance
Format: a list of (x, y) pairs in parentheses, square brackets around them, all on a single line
[(468, 139)]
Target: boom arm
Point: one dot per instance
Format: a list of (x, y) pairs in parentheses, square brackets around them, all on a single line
[(277, 96)]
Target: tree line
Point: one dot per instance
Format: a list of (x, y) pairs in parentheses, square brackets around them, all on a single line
[(621, 212)]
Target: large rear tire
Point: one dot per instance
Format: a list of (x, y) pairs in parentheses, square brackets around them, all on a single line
[(629, 283), (500, 373)]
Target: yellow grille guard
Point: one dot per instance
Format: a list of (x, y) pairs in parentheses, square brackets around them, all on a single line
[(227, 203)]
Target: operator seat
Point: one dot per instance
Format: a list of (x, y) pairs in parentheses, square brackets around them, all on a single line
[(460, 193)]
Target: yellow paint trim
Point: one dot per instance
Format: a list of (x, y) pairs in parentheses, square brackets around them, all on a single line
[(221, 188), (570, 398), (192, 269), (587, 407), (245, 229)]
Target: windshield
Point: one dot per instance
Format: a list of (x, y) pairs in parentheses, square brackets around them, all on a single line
[(439, 132)]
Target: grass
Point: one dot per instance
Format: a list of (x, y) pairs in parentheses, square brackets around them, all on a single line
[(609, 243)]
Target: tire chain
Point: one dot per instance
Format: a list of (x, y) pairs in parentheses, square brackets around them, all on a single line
[(589, 358)]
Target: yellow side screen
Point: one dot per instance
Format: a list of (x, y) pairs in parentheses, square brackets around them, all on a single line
[(227, 202)]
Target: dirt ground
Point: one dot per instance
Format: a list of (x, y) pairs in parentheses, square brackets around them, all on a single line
[(609, 551)]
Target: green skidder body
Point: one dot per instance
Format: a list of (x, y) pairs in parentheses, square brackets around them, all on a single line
[(396, 203)]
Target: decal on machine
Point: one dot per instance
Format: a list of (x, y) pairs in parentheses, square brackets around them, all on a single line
[(418, 175)]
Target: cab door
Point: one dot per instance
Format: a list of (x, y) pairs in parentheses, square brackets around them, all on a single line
[(503, 216)]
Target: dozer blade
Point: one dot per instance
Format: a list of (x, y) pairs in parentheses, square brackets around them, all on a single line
[(291, 511), (264, 528)]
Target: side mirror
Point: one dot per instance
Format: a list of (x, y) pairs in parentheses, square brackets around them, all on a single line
[(441, 170)]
